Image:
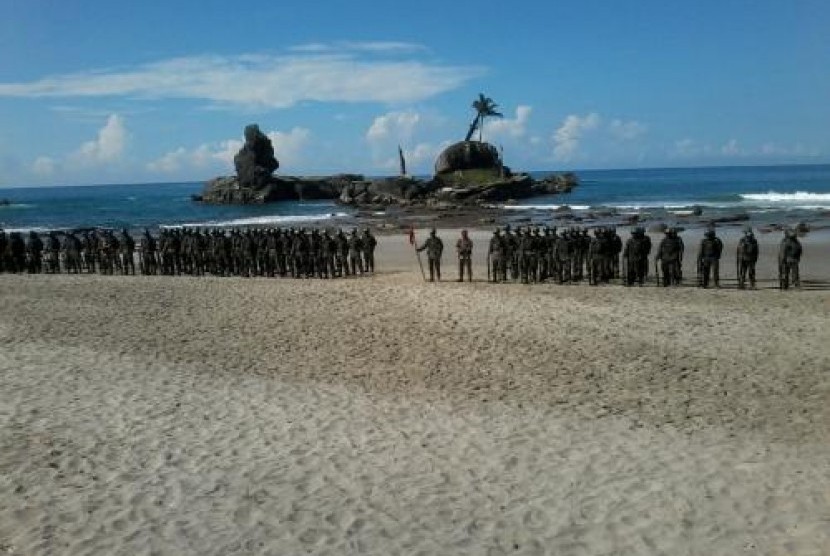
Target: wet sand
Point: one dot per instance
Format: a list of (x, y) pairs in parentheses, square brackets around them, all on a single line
[(383, 415)]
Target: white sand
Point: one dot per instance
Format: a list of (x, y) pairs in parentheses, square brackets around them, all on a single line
[(387, 416)]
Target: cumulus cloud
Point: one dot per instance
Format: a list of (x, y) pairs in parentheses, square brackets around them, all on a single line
[(566, 139), (393, 126), (43, 166), (106, 148), (626, 131), (512, 127), (288, 147), (314, 73)]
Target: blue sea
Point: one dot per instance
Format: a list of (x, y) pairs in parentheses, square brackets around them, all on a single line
[(784, 194)]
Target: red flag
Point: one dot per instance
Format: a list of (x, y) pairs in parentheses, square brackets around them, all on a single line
[(411, 235)]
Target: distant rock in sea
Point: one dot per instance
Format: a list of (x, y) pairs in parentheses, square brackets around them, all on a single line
[(468, 173)]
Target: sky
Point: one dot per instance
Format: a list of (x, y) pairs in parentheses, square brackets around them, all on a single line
[(130, 92)]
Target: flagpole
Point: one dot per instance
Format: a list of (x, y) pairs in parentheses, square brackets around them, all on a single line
[(417, 253)]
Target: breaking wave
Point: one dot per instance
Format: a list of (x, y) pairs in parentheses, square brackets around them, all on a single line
[(260, 220), (797, 197)]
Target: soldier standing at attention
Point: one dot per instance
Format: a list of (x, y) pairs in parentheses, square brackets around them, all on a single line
[(464, 248), (369, 243), (669, 254), (355, 249), (434, 248), (708, 259), (789, 255), (498, 267), (635, 254), (747, 257)]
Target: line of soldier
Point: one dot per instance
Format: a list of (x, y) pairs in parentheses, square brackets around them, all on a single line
[(269, 252), (536, 255)]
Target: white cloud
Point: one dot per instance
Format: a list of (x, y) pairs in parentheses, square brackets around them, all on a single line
[(566, 139), (266, 81), (288, 148), (106, 148), (419, 159), (513, 127), (43, 166), (379, 47), (627, 131), (731, 148), (393, 126)]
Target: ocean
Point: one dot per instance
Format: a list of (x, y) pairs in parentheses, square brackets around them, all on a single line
[(768, 194)]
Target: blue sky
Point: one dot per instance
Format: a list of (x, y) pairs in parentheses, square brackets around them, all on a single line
[(123, 92)]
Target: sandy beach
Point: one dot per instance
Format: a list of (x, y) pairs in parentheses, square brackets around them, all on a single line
[(384, 415)]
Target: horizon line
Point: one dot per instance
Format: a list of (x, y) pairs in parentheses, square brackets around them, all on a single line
[(574, 171)]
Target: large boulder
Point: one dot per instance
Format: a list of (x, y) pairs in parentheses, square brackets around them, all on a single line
[(255, 161), (467, 155)]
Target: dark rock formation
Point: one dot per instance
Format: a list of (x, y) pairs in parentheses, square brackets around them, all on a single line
[(467, 173), (467, 155), (255, 161)]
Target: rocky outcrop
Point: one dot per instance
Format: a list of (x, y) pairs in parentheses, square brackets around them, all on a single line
[(255, 161), (467, 155), (468, 173)]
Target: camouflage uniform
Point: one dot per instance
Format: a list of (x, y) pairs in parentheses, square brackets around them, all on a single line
[(434, 248), (635, 255), (708, 259), (747, 256), (369, 244), (464, 249), (498, 268), (789, 256), (669, 255)]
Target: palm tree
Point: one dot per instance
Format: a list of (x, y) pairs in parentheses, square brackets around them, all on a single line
[(485, 108)]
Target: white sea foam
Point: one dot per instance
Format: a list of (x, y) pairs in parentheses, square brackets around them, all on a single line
[(815, 199), (544, 207), (259, 220)]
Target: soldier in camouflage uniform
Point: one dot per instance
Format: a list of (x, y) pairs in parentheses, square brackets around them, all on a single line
[(369, 245), (670, 256), (635, 255), (496, 251), (464, 250), (708, 259), (789, 257), (747, 256), (434, 248)]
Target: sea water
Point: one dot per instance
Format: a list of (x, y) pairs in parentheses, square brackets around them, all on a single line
[(785, 194)]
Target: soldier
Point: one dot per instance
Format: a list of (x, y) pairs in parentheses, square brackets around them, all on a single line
[(527, 256), (511, 252), (597, 250), (17, 252), (72, 253), (635, 255), (328, 249), (789, 255), (126, 253), (34, 251), (708, 259), (464, 249), (747, 256), (563, 258), (496, 252), (369, 244), (147, 259), (669, 253), (355, 249), (434, 248), (3, 244), (53, 250), (342, 260), (616, 251)]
